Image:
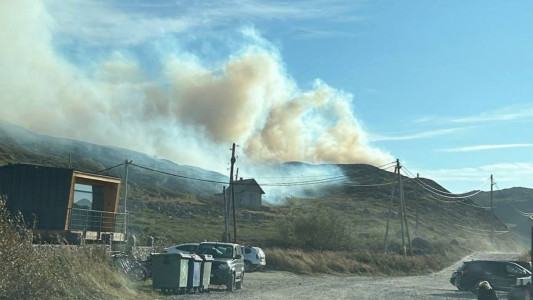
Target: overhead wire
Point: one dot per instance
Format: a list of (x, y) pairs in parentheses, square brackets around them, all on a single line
[(110, 168), (437, 191)]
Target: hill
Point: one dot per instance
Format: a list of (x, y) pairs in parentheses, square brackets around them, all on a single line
[(19, 145), (176, 210), (509, 206)]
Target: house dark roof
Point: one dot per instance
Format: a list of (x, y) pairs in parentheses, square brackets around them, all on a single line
[(18, 166), (245, 185)]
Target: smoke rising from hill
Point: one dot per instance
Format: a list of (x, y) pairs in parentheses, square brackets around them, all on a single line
[(190, 114)]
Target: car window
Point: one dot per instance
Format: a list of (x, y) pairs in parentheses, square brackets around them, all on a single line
[(515, 270), (217, 251), (491, 267), (247, 251)]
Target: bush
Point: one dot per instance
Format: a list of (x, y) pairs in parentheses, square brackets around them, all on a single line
[(50, 271), (325, 230)]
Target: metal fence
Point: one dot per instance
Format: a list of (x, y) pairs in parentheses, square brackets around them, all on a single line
[(95, 220)]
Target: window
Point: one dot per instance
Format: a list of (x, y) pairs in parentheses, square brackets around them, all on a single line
[(83, 196), (216, 250), (515, 270), (88, 197)]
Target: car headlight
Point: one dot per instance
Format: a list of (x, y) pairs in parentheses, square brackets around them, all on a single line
[(223, 266)]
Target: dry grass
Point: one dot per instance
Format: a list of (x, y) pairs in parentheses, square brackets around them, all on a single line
[(30, 272), (355, 262)]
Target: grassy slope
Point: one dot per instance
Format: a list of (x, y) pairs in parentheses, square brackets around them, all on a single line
[(168, 210)]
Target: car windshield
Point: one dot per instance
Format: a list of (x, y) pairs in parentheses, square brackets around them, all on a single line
[(217, 251)]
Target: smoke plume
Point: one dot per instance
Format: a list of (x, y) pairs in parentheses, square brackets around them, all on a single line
[(190, 112)]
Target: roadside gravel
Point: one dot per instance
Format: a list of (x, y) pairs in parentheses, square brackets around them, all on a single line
[(284, 285)]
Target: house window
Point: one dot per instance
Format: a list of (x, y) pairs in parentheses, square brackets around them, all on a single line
[(83, 196), (88, 196)]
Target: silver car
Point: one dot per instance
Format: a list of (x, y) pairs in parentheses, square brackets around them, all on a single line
[(182, 248)]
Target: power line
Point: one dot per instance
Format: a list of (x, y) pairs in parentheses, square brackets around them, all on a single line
[(110, 168), (179, 176), (454, 201), (425, 187), (445, 192)]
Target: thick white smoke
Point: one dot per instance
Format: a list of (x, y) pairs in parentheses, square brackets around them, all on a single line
[(190, 114)]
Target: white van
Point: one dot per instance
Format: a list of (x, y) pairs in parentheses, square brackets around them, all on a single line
[(254, 258)]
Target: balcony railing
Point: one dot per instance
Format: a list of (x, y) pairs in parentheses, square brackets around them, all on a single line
[(95, 220)]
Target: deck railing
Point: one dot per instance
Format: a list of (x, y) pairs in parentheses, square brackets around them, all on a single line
[(95, 220)]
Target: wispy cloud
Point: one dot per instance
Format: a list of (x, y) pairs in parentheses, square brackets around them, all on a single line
[(505, 114), (416, 136), (125, 23), (308, 34), (506, 175), (484, 147)]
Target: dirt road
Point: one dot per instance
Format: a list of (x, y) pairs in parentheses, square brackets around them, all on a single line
[(283, 285)]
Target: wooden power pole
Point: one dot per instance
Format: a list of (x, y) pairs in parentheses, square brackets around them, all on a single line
[(491, 208), (233, 192), (385, 242), (403, 212), (126, 165), (226, 216)]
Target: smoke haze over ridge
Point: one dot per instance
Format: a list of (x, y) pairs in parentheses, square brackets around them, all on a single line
[(190, 112)]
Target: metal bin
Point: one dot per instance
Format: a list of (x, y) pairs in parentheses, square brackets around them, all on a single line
[(170, 272), (205, 277)]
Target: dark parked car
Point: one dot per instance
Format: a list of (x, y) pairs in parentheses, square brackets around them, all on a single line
[(228, 265), (501, 275)]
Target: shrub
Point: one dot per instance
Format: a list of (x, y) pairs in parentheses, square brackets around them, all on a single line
[(324, 230), (50, 271)]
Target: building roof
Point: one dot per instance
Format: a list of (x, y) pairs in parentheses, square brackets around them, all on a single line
[(75, 172), (245, 185)]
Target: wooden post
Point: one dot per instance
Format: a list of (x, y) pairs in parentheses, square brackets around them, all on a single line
[(385, 242)]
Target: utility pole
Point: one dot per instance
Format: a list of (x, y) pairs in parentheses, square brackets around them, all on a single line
[(416, 223), (491, 208), (233, 192), (385, 244), (126, 165), (237, 175), (226, 216), (404, 214), (401, 205)]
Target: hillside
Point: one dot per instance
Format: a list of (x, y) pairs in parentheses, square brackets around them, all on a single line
[(178, 210), (508, 205), (19, 145)]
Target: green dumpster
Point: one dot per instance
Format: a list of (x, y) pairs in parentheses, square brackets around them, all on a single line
[(169, 272), (205, 273)]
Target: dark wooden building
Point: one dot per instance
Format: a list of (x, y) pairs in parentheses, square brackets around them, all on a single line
[(247, 193), (62, 201)]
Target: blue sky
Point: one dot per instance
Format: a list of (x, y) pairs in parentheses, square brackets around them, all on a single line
[(445, 86)]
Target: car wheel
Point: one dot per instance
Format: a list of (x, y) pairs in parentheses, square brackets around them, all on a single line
[(247, 266), (231, 283), (238, 285)]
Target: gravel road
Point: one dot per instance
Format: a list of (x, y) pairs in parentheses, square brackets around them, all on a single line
[(283, 285)]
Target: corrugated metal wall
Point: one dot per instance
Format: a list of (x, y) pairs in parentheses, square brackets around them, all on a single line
[(37, 191)]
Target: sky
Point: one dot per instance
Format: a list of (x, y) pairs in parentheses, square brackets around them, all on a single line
[(443, 86)]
